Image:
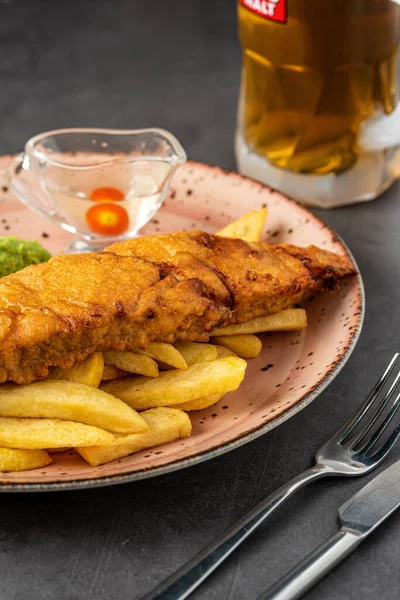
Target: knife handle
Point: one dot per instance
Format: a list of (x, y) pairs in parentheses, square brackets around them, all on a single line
[(314, 567)]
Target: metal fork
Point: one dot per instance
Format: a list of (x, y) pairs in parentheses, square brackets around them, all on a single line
[(357, 448)]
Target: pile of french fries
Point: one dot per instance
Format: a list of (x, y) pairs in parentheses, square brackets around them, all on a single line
[(116, 403)]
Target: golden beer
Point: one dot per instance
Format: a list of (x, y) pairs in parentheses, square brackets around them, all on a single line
[(310, 82)]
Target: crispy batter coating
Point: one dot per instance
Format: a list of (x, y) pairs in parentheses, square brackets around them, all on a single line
[(163, 287)]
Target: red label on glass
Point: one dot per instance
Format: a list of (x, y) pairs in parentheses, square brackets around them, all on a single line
[(274, 10)]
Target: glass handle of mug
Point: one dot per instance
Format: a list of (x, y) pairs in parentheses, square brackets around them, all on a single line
[(380, 132)]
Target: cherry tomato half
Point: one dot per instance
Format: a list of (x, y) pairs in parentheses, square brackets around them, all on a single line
[(107, 194), (107, 219)]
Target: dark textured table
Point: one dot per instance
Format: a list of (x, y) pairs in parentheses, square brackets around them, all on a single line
[(176, 64)]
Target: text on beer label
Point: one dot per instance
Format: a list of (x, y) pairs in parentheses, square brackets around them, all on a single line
[(274, 10)]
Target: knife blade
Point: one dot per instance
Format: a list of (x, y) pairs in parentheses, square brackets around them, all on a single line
[(360, 516), (374, 503)]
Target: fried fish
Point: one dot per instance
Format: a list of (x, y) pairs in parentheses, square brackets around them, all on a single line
[(157, 288)]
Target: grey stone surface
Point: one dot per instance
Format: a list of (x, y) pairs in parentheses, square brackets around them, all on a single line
[(176, 64)]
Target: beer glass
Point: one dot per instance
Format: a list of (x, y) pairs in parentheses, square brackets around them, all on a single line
[(319, 114)]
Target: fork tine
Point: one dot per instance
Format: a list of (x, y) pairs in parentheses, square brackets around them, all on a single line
[(383, 426), (350, 425), (387, 446), (384, 402)]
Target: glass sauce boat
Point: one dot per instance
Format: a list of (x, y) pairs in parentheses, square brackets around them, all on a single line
[(102, 185)]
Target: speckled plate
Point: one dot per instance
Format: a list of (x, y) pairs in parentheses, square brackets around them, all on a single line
[(290, 372)]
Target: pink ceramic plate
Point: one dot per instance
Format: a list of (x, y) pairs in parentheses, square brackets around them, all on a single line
[(290, 372)]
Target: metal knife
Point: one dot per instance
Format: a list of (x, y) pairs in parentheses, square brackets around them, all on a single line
[(360, 516)]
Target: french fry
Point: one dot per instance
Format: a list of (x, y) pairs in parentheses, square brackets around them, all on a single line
[(131, 362), (245, 345), (89, 371), (37, 434), (12, 459), (164, 353), (164, 367), (69, 401), (291, 319), (57, 450), (110, 373), (194, 353), (248, 228), (200, 403), (223, 352), (165, 425), (175, 387)]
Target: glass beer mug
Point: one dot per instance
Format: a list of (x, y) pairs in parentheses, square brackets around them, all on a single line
[(319, 113)]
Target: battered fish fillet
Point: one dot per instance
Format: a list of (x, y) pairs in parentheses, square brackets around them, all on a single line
[(163, 288)]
